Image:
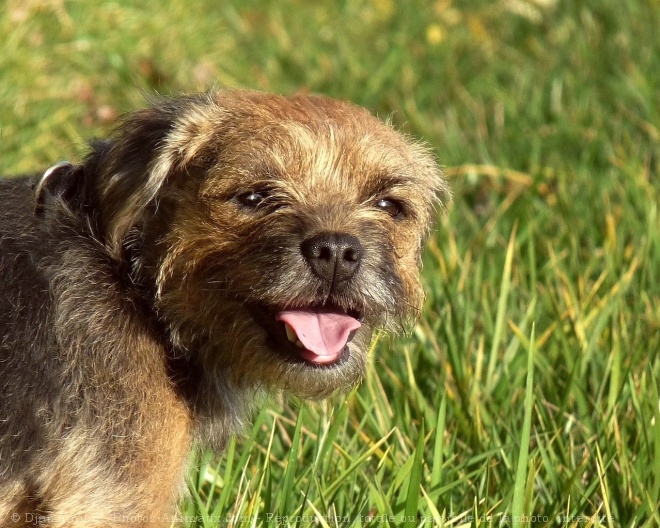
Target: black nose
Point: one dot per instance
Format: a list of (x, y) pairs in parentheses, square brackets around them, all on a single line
[(333, 257)]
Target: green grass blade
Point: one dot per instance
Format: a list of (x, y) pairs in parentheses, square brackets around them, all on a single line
[(287, 491), (436, 471), (355, 465), (414, 493), (655, 491), (500, 322), (229, 469), (517, 508)]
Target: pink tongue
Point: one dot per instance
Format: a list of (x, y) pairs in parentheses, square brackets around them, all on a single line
[(323, 334)]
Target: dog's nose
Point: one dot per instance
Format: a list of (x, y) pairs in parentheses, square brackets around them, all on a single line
[(333, 257)]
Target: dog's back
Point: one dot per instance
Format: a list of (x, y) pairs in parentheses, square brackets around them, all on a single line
[(24, 314), (62, 437), (28, 377)]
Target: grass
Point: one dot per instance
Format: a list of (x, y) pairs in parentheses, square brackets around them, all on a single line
[(527, 395)]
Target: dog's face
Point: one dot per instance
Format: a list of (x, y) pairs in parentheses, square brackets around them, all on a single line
[(277, 232)]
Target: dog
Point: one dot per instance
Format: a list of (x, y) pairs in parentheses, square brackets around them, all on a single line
[(216, 248)]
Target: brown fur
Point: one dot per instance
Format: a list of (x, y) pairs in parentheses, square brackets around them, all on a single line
[(138, 290)]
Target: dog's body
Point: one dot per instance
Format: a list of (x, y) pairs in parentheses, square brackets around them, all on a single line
[(219, 246), (91, 427)]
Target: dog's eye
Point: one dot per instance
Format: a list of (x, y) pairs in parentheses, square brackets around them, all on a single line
[(393, 208), (252, 199)]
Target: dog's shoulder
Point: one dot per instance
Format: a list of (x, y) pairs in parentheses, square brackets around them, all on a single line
[(18, 224)]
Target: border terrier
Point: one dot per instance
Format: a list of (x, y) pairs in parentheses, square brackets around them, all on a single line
[(217, 247)]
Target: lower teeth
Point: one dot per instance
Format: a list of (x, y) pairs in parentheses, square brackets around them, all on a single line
[(290, 334)]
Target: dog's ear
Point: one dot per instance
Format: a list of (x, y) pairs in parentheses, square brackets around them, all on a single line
[(60, 188), (131, 168)]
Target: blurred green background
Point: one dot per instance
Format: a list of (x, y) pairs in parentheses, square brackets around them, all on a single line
[(545, 116)]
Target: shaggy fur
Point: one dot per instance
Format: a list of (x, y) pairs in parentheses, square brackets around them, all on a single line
[(139, 290)]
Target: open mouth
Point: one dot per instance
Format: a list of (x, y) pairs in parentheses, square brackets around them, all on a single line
[(321, 335), (317, 335)]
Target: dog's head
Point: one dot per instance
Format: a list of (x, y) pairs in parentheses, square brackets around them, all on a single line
[(271, 234)]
